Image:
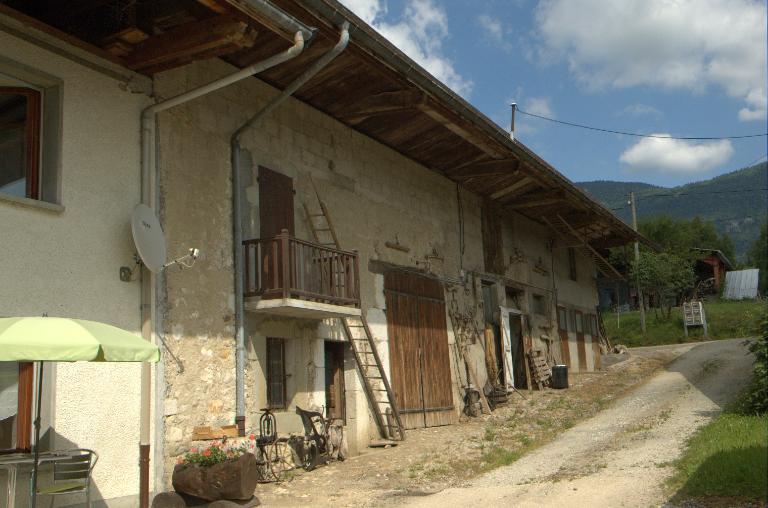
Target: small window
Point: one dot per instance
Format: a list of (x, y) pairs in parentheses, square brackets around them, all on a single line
[(562, 318), (572, 262), (579, 322), (593, 321), (572, 320), (276, 398), (20, 119), (539, 305)]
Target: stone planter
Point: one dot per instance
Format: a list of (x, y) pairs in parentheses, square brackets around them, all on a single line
[(233, 479)]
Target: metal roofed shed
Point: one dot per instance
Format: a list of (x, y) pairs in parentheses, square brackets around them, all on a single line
[(741, 284)]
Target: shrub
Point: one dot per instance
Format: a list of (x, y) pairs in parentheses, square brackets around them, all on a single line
[(757, 397)]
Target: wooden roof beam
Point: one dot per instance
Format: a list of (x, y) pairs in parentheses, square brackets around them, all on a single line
[(509, 189), (534, 199), (493, 167), (385, 102), (208, 37)]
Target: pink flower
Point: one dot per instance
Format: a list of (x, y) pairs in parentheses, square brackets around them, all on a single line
[(193, 450), (207, 453), (252, 437)]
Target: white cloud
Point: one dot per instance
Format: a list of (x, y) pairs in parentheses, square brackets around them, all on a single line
[(676, 155), (688, 44), (538, 106), (492, 27), (640, 110), (419, 33), (366, 9)]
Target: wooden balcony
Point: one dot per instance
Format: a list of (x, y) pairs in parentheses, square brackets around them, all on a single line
[(296, 278)]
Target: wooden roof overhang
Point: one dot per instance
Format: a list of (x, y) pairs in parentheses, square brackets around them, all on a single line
[(372, 87)]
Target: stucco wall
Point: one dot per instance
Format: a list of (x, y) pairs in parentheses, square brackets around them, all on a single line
[(66, 263)]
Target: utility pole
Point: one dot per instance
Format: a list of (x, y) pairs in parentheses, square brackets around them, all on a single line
[(512, 123), (637, 262)]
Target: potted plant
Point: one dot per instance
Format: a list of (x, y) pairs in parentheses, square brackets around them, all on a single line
[(219, 471)]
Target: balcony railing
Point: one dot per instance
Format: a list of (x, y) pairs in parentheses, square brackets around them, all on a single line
[(286, 267)]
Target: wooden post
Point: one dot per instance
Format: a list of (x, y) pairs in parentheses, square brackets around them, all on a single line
[(284, 241)]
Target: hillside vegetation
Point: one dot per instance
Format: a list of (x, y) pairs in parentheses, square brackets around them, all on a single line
[(726, 320), (722, 199)]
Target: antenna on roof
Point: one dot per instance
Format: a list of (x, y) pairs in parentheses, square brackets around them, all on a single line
[(512, 125)]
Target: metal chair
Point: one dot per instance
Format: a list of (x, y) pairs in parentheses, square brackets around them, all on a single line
[(72, 475)]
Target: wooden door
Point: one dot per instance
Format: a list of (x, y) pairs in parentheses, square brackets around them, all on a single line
[(418, 350), (334, 380), (275, 203), (580, 343), (275, 214), (562, 330)]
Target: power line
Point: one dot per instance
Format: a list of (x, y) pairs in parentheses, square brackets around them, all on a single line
[(674, 195), (638, 135)]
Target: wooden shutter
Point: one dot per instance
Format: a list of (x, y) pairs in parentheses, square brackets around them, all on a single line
[(275, 203)]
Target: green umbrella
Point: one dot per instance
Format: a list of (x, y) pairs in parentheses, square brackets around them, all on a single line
[(53, 339)]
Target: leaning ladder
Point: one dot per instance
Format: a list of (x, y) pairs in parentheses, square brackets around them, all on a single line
[(375, 381), (359, 335)]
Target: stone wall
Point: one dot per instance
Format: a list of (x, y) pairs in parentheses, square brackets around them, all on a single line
[(374, 195)]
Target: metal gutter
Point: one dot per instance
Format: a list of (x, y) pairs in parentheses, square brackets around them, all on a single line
[(237, 220), (273, 18)]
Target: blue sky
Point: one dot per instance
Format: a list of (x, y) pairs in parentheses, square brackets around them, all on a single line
[(682, 68)]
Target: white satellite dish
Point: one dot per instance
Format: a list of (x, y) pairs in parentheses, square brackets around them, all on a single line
[(149, 238)]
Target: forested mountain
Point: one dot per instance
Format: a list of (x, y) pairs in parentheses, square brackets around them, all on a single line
[(737, 202)]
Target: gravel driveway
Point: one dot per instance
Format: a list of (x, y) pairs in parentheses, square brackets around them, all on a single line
[(619, 457)]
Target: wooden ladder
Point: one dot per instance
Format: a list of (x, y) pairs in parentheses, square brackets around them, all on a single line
[(375, 381), (356, 329), (320, 223)]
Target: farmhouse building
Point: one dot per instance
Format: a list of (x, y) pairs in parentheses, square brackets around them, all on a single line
[(372, 245)]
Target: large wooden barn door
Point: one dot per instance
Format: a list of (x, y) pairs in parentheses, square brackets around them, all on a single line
[(418, 350)]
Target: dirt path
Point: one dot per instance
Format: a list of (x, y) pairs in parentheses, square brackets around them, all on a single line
[(620, 456)]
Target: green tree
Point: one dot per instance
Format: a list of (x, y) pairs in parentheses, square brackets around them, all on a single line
[(757, 256), (679, 236), (664, 278)]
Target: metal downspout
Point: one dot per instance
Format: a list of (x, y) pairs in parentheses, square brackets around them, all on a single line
[(237, 220), (149, 197)]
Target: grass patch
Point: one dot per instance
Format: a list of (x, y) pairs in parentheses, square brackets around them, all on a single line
[(727, 458), (498, 456), (726, 320)]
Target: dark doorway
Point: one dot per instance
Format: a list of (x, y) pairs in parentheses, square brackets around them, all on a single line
[(518, 350), (491, 315), (334, 380)]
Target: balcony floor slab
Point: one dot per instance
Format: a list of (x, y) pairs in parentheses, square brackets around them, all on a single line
[(304, 309)]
